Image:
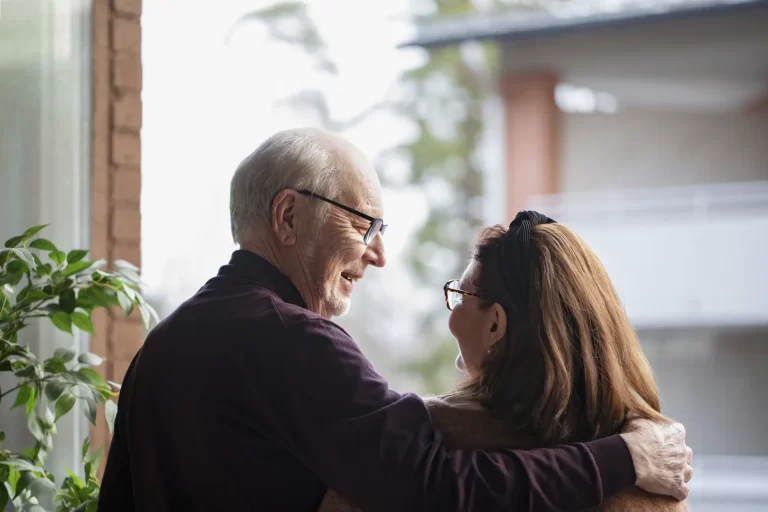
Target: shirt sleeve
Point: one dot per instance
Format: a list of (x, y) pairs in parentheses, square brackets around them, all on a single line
[(379, 450), (116, 493)]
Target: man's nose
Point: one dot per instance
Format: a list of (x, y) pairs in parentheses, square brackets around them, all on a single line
[(374, 253)]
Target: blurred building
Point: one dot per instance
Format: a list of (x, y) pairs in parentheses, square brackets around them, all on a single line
[(647, 132), (70, 98)]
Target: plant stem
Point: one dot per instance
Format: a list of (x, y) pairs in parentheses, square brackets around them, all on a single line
[(47, 377)]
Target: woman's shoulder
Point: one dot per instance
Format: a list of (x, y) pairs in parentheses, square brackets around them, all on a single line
[(637, 500), (465, 423)]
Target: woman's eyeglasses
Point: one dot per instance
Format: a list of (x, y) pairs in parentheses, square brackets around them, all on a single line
[(377, 225), (454, 294)]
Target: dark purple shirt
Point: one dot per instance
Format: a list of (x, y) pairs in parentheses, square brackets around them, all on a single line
[(242, 399)]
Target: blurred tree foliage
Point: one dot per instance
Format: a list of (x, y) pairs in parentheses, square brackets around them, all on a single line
[(446, 98)]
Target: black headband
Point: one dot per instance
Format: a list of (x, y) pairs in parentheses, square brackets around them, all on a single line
[(514, 256)]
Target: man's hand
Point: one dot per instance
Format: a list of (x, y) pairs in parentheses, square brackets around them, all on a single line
[(662, 459)]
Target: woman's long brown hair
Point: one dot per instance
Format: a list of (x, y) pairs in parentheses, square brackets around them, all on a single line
[(572, 369)]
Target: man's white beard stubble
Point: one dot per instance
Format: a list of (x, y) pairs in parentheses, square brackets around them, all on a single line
[(330, 297)]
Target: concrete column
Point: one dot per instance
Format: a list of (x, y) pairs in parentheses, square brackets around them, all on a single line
[(532, 123)]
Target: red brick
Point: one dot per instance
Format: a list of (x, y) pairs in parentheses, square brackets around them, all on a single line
[(126, 35), (119, 369), (126, 70), (100, 177), (99, 241), (100, 55), (100, 437), (126, 111), (99, 208), (130, 252), (126, 185), (127, 338), (99, 340), (126, 149), (126, 223), (130, 8)]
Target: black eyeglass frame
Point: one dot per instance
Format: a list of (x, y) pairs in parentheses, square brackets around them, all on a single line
[(447, 288), (377, 224)]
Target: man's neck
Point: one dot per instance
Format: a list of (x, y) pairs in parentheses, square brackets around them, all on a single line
[(289, 266)]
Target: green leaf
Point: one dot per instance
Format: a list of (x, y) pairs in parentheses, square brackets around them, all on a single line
[(31, 402), (58, 256), (14, 241), (17, 266), (64, 354), (83, 322), (37, 295), (28, 371), (125, 265), (54, 365), (48, 418), (125, 303), (23, 396), (67, 300), (110, 408), (34, 426), (29, 233), (104, 393), (25, 479), (90, 410), (77, 266), (43, 245), (64, 404), (44, 270), (61, 320), (95, 295), (42, 488), (86, 447), (24, 255), (54, 389), (90, 376), (76, 255), (90, 359)]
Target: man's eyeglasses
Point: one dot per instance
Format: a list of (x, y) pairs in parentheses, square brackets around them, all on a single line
[(454, 294), (377, 225)]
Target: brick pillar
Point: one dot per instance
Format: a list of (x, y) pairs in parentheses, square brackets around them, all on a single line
[(115, 174), (532, 123)]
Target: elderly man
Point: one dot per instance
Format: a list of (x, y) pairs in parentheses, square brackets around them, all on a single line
[(248, 397)]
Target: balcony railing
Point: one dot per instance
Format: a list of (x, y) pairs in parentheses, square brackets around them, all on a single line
[(681, 256)]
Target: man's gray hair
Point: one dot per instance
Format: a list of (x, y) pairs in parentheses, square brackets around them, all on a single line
[(297, 159)]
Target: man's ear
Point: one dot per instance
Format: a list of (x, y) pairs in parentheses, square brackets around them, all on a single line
[(284, 216)]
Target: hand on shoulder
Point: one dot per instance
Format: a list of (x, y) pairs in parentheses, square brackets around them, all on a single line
[(662, 459)]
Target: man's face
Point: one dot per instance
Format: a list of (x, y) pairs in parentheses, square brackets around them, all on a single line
[(336, 256)]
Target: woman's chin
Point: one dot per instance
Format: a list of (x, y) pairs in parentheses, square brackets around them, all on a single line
[(460, 364)]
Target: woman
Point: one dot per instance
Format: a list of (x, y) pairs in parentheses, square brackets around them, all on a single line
[(550, 356)]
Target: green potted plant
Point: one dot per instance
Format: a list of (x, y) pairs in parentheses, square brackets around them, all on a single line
[(40, 282)]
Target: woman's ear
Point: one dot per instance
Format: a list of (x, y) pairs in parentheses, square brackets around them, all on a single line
[(498, 324)]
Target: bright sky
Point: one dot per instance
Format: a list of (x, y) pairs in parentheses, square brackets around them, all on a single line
[(207, 104)]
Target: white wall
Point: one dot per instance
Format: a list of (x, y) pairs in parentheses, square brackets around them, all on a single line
[(659, 149), (714, 381)]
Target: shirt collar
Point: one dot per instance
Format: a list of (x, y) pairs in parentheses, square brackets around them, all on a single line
[(253, 268)]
